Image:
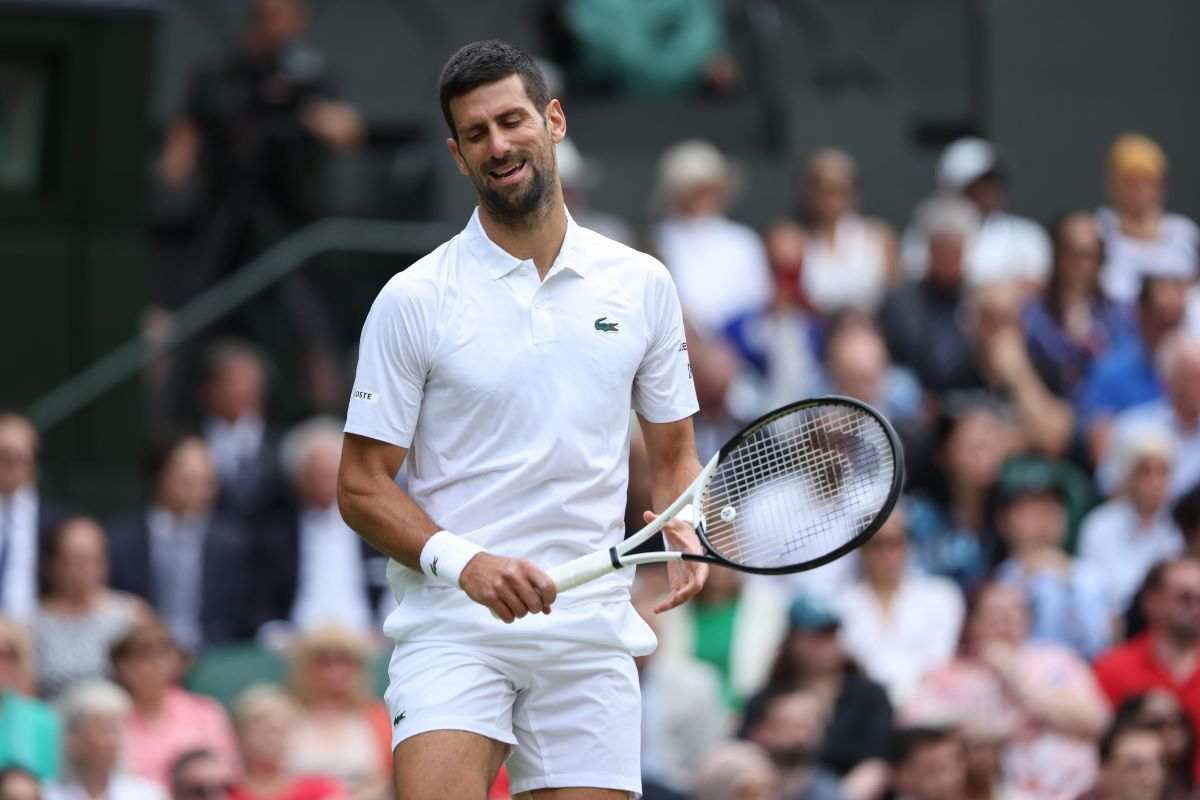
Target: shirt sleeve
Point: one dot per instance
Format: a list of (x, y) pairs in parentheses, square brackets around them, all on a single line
[(393, 362), (662, 388)]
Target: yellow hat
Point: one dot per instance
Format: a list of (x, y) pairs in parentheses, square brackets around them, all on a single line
[(1135, 154)]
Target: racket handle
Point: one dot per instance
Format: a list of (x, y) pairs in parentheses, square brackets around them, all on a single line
[(583, 569)]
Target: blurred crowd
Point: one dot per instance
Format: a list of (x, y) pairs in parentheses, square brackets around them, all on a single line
[(1025, 626)]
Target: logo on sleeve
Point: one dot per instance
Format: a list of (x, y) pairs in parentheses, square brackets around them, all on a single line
[(605, 326), (359, 394)]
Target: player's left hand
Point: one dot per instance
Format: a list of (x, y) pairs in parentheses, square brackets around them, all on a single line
[(686, 577)]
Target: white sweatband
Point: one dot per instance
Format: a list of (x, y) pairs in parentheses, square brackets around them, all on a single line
[(445, 556)]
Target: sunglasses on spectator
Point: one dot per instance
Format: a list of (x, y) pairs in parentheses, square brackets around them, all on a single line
[(334, 657), (1160, 723), (203, 790)]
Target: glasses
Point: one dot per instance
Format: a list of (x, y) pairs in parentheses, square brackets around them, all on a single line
[(1162, 723), (203, 790), (334, 657)]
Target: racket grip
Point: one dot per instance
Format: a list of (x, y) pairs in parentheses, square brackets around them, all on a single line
[(583, 569)]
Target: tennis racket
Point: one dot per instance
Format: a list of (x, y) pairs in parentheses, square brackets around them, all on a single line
[(795, 489)]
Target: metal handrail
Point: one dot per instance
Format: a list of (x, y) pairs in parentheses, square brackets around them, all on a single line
[(334, 234)]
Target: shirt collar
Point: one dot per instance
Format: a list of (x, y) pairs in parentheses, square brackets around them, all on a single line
[(498, 262)]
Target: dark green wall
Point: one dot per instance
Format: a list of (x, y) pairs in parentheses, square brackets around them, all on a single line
[(73, 256)]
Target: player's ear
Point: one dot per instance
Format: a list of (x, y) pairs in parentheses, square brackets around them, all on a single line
[(557, 121), (456, 154)]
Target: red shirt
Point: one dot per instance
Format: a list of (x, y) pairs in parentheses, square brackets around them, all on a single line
[(1131, 668)]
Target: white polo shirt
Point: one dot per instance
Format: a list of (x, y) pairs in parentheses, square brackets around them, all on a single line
[(513, 394)]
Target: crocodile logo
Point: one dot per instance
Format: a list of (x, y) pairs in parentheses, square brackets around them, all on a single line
[(606, 327)]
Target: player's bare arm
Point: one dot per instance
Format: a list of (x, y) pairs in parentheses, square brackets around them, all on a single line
[(671, 448), (382, 513)]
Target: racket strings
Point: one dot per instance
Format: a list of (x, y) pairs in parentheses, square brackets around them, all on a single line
[(799, 487)]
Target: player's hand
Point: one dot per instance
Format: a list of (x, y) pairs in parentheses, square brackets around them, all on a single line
[(510, 587), (687, 577)]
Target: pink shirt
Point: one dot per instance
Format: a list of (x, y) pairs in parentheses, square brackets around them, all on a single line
[(186, 722)]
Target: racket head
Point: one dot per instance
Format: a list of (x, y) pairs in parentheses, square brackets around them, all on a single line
[(834, 451)]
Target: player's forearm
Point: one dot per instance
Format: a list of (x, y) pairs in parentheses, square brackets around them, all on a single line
[(671, 477), (383, 514)]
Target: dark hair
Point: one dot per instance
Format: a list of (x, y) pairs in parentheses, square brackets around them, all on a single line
[(185, 760), (905, 742), (1130, 712), (488, 61), (1116, 730), (223, 352), (1186, 511), (162, 448)]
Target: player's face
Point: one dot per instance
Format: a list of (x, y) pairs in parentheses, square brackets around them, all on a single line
[(505, 145)]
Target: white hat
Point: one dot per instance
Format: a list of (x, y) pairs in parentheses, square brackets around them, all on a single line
[(964, 162), (689, 164), (1137, 441)]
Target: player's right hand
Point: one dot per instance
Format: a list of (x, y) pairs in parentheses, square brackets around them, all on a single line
[(510, 587)]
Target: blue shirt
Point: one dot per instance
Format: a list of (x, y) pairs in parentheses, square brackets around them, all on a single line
[(1074, 612), (1124, 377)]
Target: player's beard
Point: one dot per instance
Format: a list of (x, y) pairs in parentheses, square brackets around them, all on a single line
[(515, 206)]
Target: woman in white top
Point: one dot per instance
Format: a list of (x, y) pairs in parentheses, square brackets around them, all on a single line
[(851, 260), (898, 623), (1140, 237)]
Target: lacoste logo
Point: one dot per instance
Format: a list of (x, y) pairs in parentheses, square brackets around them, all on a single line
[(399, 718), (607, 327), (359, 394), (433, 567)]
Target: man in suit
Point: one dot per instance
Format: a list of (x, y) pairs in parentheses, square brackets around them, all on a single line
[(232, 400), (192, 563), (24, 516), (315, 569)]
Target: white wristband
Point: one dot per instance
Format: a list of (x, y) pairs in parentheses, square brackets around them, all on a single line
[(445, 556)]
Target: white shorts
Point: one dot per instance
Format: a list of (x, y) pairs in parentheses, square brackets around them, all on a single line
[(562, 691)]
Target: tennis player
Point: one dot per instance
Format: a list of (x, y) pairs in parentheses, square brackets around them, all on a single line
[(503, 366)]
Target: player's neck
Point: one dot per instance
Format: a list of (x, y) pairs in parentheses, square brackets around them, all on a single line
[(538, 238)]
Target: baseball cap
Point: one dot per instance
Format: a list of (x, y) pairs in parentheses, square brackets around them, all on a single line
[(966, 161), (1028, 476), (810, 614), (691, 163)]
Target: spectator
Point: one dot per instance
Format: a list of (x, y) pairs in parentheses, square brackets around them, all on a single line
[(898, 623), (1158, 710), (1074, 323), (1167, 654), (922, 318), (199, 775), (1132, 765), (682, 711), (316, 569), (1140, 237), (1123, 538), (929, 764), (1005, 367), (734, 625), (812, 659), (244, 450), (29, 729), (578, 177), (714, 373), (341, 730), (265, 718), (984, 759), (1066, 599), (1001, 247), (658, 50), (1126, 375), (79, 617), (736, 771), (851, 259), (949, 528), (1178, 413), (94, 713), (857, 364), (790, 732), (18, 783), (1041, 698), (719, 266), (256, 131), (778, 343), (192, 564), (24, 513), (165, 720)]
